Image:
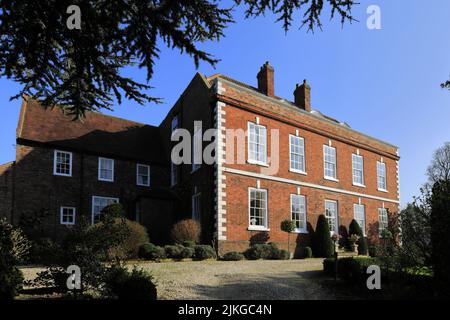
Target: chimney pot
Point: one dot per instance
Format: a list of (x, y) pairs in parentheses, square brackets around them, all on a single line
[(302, 96), (266, 79)]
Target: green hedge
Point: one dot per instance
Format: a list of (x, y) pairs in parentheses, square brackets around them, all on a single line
[(149, 251), (349, 269), (203, 252), (268, 251), (232, 256)]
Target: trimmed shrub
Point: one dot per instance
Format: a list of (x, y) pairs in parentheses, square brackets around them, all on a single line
[(354, 270), (174, 252), (186, 230), (187, 252), (288, 226), (203, 252), (373, 251), (349, 269), (354, 228), (259, 251), (323, 246), (129, 248), (149, 251), (307, 253), (281, 255), (134, 285), (233, 256), (189, 243), (328, 266)]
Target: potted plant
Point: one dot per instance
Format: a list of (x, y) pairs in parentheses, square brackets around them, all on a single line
[(335, 237), (353, 239)]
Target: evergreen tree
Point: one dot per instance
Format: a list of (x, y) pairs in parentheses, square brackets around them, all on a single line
[(354, 228), (323, 246), (80, 67), (440, 240)]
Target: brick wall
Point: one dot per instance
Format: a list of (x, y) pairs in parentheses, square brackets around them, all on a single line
[(241, 107), (38, 191), (6, 190)]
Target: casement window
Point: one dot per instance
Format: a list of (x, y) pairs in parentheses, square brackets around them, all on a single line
[(143, 175), (297, 154), (196, 205), (331, 214), (197, 148), (67, 215), (329, 159), (98, 204), (173, 174), (298, 212), (62, 163), (257, 144), (174, 123), (258, 209), (381, 176), (382, 220), (358, 170), (360, 216), (105, 169)]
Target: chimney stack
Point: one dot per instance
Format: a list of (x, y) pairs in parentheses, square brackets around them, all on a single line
[(265, 80), (302, 95)]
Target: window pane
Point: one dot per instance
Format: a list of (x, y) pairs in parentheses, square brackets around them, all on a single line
[(331, 214), (258, 208), (257, 143), (298, 211), (330, 161)]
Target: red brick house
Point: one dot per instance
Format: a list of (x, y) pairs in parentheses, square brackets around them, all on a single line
[(291, 162)]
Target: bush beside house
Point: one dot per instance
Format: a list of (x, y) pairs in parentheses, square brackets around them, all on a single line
[(185, 230), (322, 244)]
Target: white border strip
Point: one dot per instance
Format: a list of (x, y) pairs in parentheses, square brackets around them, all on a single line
[(305, 184)]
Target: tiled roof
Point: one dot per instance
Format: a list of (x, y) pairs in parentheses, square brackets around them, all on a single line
[(97, 133)]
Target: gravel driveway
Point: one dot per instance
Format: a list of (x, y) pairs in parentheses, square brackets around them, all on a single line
[(246, 280), (261, 279)]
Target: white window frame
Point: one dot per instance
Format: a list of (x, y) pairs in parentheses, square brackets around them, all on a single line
[(361, 222), (173, 174), (114, 200), (55, 166), (378, 176), (61, 216), (325, 162), (355, 158), (301, 154), (266, 211), (382, 225), (99, 169), (196, 205), (304, 214), (137, 175), (336, 217), (197, 138), (260, 159)]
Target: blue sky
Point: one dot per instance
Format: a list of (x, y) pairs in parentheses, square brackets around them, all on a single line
[(384, 83)]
